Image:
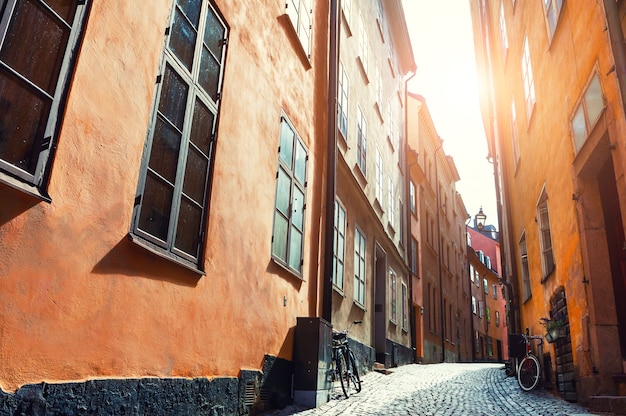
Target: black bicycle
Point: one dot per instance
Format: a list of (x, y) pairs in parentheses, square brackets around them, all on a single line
[(344, 363)]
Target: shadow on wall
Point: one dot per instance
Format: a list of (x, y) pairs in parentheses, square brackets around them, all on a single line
[(128, 258), (13, 203)]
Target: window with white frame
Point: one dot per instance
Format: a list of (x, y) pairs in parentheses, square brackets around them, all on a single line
[(552, 10), (514, 136), (495, 291), (412, 197), (503, 37), (471, 267), (38, 44), (342, 101), (359, 267), (393, 296), (391, 203), (361, 141), (363, 46), (174, 177), (474, 309), (587, 112), (528, 80), (414, 259), (299, 12), (497, 317), (288, 235), (339, 245), (485, 286), (545, 237), (379, 177), (405, 307), (523, 252)]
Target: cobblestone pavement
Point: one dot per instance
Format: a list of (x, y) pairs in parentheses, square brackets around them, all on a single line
[(441, 389)]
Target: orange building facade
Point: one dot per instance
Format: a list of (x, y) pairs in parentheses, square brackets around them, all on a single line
[(553, 96), (163, 194), (441, 293)]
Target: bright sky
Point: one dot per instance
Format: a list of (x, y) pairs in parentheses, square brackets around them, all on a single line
[(442, 39)]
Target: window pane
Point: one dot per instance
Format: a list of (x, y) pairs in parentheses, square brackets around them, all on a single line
[(297, 209), (35, 44), (300, 168), (23, 116), (183, 39), (579, 128), (155, 208), (279, 245), (64, 8), (195, 175), (202, 127), (295, 249), (209, 75), (173, 98), (594, 100), (214, 34), (188, 229), (283, 192), (164, 153), (191, 9), (286, 143)]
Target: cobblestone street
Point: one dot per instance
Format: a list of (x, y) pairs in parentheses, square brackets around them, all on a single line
[(442, 389)]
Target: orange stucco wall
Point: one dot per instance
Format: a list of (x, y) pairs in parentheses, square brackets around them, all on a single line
[(78, 300)]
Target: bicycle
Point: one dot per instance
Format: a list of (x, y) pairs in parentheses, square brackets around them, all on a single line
[(344, 362), (529, 369)]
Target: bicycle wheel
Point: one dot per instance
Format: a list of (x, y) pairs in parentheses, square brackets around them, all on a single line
[(528, 373), (354, 372), (342, 370)]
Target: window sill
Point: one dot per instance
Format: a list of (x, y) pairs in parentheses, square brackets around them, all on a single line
[(360, 176), (366, 77), (286, 268), (339, 291), (360, 305), (158, 251), (547, 276), (24, 187), (295, 40)]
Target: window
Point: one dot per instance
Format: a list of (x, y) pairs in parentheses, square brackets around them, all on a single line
[(471, 272), (412, 197), (287, 239), (405, 307), (485, 286), (497, 316), (393, 296), (523, 252), (490, 346), (414, 245), (488, 314), (474, 311), (299, 12), (514, 137), (339, 245), (173, 183), (342, 103), (529, 83), (488, 262), (587, 112), (503, 37), (553, 10), (38, 41), (346, 5), (379, 177), (481, 309), (359, 267), (361, 141), (545, 238), (476, 342), (495, 291), (363, 47), (392, 207)]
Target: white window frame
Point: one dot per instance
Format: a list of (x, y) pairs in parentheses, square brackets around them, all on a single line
[(361, 141), (524, 269), (552, 9), (360, 253), (393, 296), (342, 101), (545, 235), (405, 307), (339, 245), (588, 111), (528, 80), (379, 187), (300, 14)]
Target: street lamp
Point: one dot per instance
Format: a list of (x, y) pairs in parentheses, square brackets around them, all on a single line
[(480, 219)]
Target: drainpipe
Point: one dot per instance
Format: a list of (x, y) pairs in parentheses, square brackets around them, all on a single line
[(441, 309), (407, 185), (616, 36), (331, 162)]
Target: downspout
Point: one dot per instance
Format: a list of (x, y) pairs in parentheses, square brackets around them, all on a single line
[(441, 309), (331, 163), (412, 317), (616, 36)]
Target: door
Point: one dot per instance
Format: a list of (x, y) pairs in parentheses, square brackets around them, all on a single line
[(380, 307)]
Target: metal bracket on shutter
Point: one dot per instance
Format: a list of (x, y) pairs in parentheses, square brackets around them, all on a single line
[(158, 80), (224, 42), (137, 201), (167, 31), (45, 143)]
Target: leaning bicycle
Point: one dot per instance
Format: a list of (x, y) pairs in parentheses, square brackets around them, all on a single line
[(529, 369), (344, 363)]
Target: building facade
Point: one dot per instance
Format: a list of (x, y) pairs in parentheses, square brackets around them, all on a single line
[(553, 105), (439, 260), (163, 213)]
